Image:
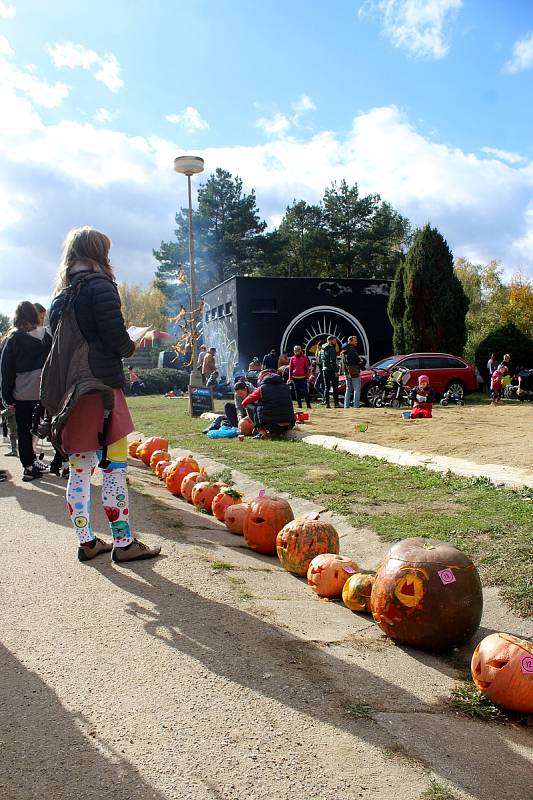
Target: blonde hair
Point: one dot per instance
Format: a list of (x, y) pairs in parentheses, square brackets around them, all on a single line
[(86, 246)]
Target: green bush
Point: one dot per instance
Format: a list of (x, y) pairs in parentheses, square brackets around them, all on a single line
[(507, 339), (160, 381)]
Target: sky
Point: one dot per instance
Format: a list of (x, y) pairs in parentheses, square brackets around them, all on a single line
[(427, 102)]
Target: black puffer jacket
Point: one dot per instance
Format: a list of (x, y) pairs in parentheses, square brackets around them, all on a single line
[(100, 319), (275, 406)]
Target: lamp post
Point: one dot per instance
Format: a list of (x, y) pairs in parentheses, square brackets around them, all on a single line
[(191, 165)]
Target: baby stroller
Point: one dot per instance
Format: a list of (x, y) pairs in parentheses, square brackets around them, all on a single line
[(394, 390), (453, 398), (524, 390)]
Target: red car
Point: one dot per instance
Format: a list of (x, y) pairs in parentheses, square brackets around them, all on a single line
[(443, 370)]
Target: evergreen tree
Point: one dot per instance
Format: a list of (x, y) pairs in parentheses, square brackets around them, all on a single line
[(435, 303), (348, 218), (396, 310), (304, 240)]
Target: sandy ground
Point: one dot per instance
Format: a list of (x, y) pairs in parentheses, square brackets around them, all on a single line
[(483, 433), (171, 679)]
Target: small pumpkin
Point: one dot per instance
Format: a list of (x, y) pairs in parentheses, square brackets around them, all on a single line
[(182, 467), (502, 668), (166, 470), (300, 540), (133, 446), (234, 517), (188, 483), (156, 456), (224, 499), (145, 450), (328, 573), (160, 466), (266, 517), (357, 590), (246, 426), (204, 492)]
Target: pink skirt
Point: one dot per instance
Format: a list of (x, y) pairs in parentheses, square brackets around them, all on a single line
[(80, 434)]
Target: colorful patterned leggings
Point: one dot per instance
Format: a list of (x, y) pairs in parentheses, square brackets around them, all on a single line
[(114, 497)]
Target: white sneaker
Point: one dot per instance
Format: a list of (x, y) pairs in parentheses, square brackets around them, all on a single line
[(40, 465)]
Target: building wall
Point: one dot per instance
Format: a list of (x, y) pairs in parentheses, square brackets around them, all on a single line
[(281, 312)]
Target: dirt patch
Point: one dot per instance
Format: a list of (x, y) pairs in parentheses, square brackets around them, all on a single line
[(321, 474), (483, 433), (373, 509)]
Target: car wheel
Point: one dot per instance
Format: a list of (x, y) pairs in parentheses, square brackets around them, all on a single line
[(395, 403), (456, 387), (372, 394)]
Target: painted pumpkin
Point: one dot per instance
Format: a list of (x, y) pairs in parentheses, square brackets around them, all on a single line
[(156, 456), (145, 450), (427, 594), (188, 484), (181, 468), (356, 592), (234, 517), (301, 540), (224, 499), (166, 470), (204, 492), (265, 519), (246, 426), (160, 466), (133, 446), (328, 573), (502, 668)]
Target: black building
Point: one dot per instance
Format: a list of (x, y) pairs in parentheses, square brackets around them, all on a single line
[(246, 317)]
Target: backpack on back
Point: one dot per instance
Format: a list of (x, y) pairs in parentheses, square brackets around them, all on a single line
[(67, 375)]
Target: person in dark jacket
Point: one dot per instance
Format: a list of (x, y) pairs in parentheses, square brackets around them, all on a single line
[(273, 411), (328, 364), (270, 361), (23, 357), (98, 314), (351, 364)]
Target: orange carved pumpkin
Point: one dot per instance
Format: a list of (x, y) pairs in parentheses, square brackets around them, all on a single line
[(246, 426), (427, 594), (328, 573), (145, 450), (265, 519), (203, 494), (224, 499), (166, 470), (181, 468), (502, 668), (356, 592), (160, 466), (133, 446), (156, 456), (299, 541), (234, 517), (188, 483)]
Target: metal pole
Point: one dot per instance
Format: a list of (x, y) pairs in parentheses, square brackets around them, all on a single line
[(193, 280)]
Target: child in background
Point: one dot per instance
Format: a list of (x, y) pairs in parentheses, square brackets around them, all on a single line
[(422, 397), (496, 385), (135, 384)]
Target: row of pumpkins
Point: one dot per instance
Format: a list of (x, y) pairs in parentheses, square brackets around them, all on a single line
[(426, 593)]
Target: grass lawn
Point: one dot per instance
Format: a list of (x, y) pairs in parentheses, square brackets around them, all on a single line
[(493, 525)]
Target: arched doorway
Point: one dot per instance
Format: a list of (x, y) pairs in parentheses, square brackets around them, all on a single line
[(312, 327)]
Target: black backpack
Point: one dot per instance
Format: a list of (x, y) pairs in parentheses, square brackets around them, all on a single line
[(67, 375)]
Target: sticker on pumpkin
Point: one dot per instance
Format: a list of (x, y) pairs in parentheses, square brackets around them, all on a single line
[(409, 590), (349, 570), (527, 665), (261, 493), (446, 576)]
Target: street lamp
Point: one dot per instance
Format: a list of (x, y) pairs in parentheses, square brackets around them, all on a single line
[(191, 165)]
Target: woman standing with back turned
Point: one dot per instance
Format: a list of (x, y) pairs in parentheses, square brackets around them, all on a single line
[(98, 314)]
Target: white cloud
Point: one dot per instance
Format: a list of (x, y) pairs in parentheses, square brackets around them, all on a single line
[(522, 56), (504, 155), (5, 47), (23, 80), (104, 115), (105, 69), (280, 123), (7, 11), (417, 26), (190, 119)]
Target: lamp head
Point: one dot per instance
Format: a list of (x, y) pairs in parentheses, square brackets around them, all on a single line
[(189, 165)]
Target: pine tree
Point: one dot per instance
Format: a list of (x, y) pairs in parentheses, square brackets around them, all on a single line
[(396, 309)]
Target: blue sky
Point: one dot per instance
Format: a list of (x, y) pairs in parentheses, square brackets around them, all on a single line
[(428, 102)]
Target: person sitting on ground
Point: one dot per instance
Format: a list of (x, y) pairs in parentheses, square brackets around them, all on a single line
[(235, 411), (299, 375), (422, 398), (254, 365), (135, 384), (270, 361), (496, 383), (273, 411)]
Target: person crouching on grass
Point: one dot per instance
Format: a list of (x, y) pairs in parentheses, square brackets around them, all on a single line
[(422, 397)]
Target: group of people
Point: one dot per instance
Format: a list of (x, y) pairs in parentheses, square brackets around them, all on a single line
[(85, 293), (501, 373)]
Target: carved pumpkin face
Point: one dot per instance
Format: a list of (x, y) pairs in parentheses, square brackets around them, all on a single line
[(328, 573), (133, 447), (246, 426), (234, 517), (301, 540), (427, 594), (160, 466), (144, 452), (188, 483), (356, 592), (156, 456), (175, 476), (224, 499), (266, 518), (203, 494), (502, 668)]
